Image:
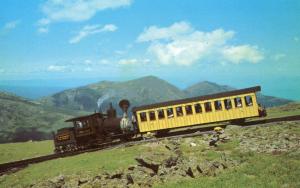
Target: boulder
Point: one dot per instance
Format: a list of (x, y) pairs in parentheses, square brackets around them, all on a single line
[(148, 164)]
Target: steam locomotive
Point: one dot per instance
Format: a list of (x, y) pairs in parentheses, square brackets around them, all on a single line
[(98, 128)]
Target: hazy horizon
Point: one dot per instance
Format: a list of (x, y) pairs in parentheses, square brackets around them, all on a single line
[(35, 89)]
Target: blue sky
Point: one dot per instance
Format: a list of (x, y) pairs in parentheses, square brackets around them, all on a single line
[(73, 42)]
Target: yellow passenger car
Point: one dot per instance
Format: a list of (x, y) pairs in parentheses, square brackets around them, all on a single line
[(226, 106)]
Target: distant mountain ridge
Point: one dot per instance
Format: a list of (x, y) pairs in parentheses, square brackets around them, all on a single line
[(145, 90), (141, 91), (206, 88), (13, 97)]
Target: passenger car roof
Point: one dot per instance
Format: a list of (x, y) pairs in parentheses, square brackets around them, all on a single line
[(199, 98)]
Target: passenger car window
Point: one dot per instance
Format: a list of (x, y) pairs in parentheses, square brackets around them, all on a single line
[(188, 109), (218, 105), (207, 107), (248, 100), (179, 111), (238, 102), (161, 114), (198, 108), (227, 104), (152, 115), (143, 116), (170, 113)]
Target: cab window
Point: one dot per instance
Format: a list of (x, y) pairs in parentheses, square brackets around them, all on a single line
[(143, 116), (248, 100), (179, 111), (227, 104), (78, 124), (207, 107), (161, 114), (152, 115), (170, 113), (188, 110), (198, 108), (238, 102), (81, 124), (218, 105)]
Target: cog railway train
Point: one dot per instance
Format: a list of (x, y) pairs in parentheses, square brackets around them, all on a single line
[(100, 128)]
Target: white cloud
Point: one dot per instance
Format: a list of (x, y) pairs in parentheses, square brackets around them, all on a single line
[(109, 27), (127, 61), (156, 33), (43, 22), (90, 30), (279, 56), (133, 61), (56, 68), (76, 10), (238, 54), (43, 30), (11, 25), (181, 44)]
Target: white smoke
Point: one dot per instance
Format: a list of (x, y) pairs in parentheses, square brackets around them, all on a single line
[(103, 98)]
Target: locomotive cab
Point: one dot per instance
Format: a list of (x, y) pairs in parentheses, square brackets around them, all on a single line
[(86, 125), (86, 129)]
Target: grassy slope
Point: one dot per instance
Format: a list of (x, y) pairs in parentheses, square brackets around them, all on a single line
[(88, 163), (22, 120), (259, 169), (23, 150), (285, 110)]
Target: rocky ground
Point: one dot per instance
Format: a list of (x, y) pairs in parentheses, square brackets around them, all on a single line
[(189, 158)]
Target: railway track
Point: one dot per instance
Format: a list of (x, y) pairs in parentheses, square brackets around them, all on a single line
[(16, 165)]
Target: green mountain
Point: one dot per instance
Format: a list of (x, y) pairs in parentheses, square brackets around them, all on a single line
[(206, 88), (145, 90), (22, 120), (141, 91)]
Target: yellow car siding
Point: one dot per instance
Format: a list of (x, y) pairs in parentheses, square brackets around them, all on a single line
[(198, 118)]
